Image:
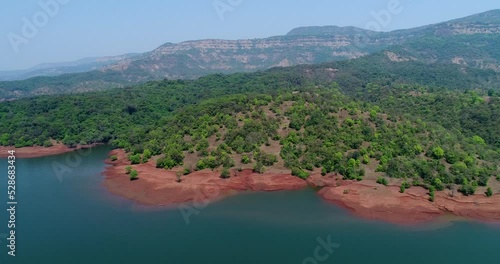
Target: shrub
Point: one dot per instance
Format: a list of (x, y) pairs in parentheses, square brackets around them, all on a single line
[(437, 153), (113, 158), (134, 175), (432, 193), (187, 171), (402, 189), (128, 169), (468, 189), (135, 159), (245, 159), (259, 168), (438, 184), (300, 173), (489, 192), (383, 181), (225, 174)]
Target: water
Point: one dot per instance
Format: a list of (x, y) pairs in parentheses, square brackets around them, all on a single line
[(76, 221)]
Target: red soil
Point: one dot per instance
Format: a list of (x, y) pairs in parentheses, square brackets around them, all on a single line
[(370, 200), (38, 151), (160, 187)]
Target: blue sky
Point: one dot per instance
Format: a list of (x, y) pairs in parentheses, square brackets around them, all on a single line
[(86, 28)]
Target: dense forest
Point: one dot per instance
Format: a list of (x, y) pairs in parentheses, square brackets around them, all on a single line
[(431, 125)]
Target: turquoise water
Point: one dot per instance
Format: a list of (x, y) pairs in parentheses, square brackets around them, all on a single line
[(72, 219)]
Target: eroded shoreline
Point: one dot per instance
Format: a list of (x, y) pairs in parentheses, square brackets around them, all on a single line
[(366, 199)]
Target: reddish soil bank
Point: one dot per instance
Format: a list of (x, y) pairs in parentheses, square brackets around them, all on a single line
[(160, 187), (38, 151), (374, 201), (366, 198)]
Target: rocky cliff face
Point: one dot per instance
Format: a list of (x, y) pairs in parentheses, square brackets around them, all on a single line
[(470, 42), (307, 45)]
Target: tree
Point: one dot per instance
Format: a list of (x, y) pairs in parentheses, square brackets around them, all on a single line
[(134, 175), (135, 159), (128, 169), (478, 140), (437, 153)]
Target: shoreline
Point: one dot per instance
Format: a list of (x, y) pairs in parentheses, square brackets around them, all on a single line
[(40, 151), (157, 187), (365, 199)]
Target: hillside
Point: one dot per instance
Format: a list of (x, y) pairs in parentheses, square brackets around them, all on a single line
[(345, 118), (469, 42)]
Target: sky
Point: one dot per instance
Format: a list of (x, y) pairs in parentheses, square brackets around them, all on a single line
[(44, 31)]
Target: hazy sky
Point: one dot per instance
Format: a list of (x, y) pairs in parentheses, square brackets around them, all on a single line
[(75, 29)]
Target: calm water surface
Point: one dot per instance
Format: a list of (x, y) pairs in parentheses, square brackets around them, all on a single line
[(72, 219)]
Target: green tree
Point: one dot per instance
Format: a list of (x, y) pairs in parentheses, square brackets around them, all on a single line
[(437, 153)]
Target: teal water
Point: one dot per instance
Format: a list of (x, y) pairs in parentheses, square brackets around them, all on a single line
[(72, 219)]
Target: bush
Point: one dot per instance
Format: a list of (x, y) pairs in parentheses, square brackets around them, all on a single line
[(225, 174), (245, 159), (489, 192), (135, 159), (113, 158), (402, 189), (134, 175), (437, 153), (187, 171), (259, 168), (300, 173), (383, 181), (438, 184), (128, 169), (468, 189), (432, 193)]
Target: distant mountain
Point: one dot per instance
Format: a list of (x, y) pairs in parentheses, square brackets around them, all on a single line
[(469, 42), (54, 69)]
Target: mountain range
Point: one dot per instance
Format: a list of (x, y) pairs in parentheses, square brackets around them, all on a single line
[(470, 42)]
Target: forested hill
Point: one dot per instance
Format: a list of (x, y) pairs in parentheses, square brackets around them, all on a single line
[(470, 43), (428, 123)]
